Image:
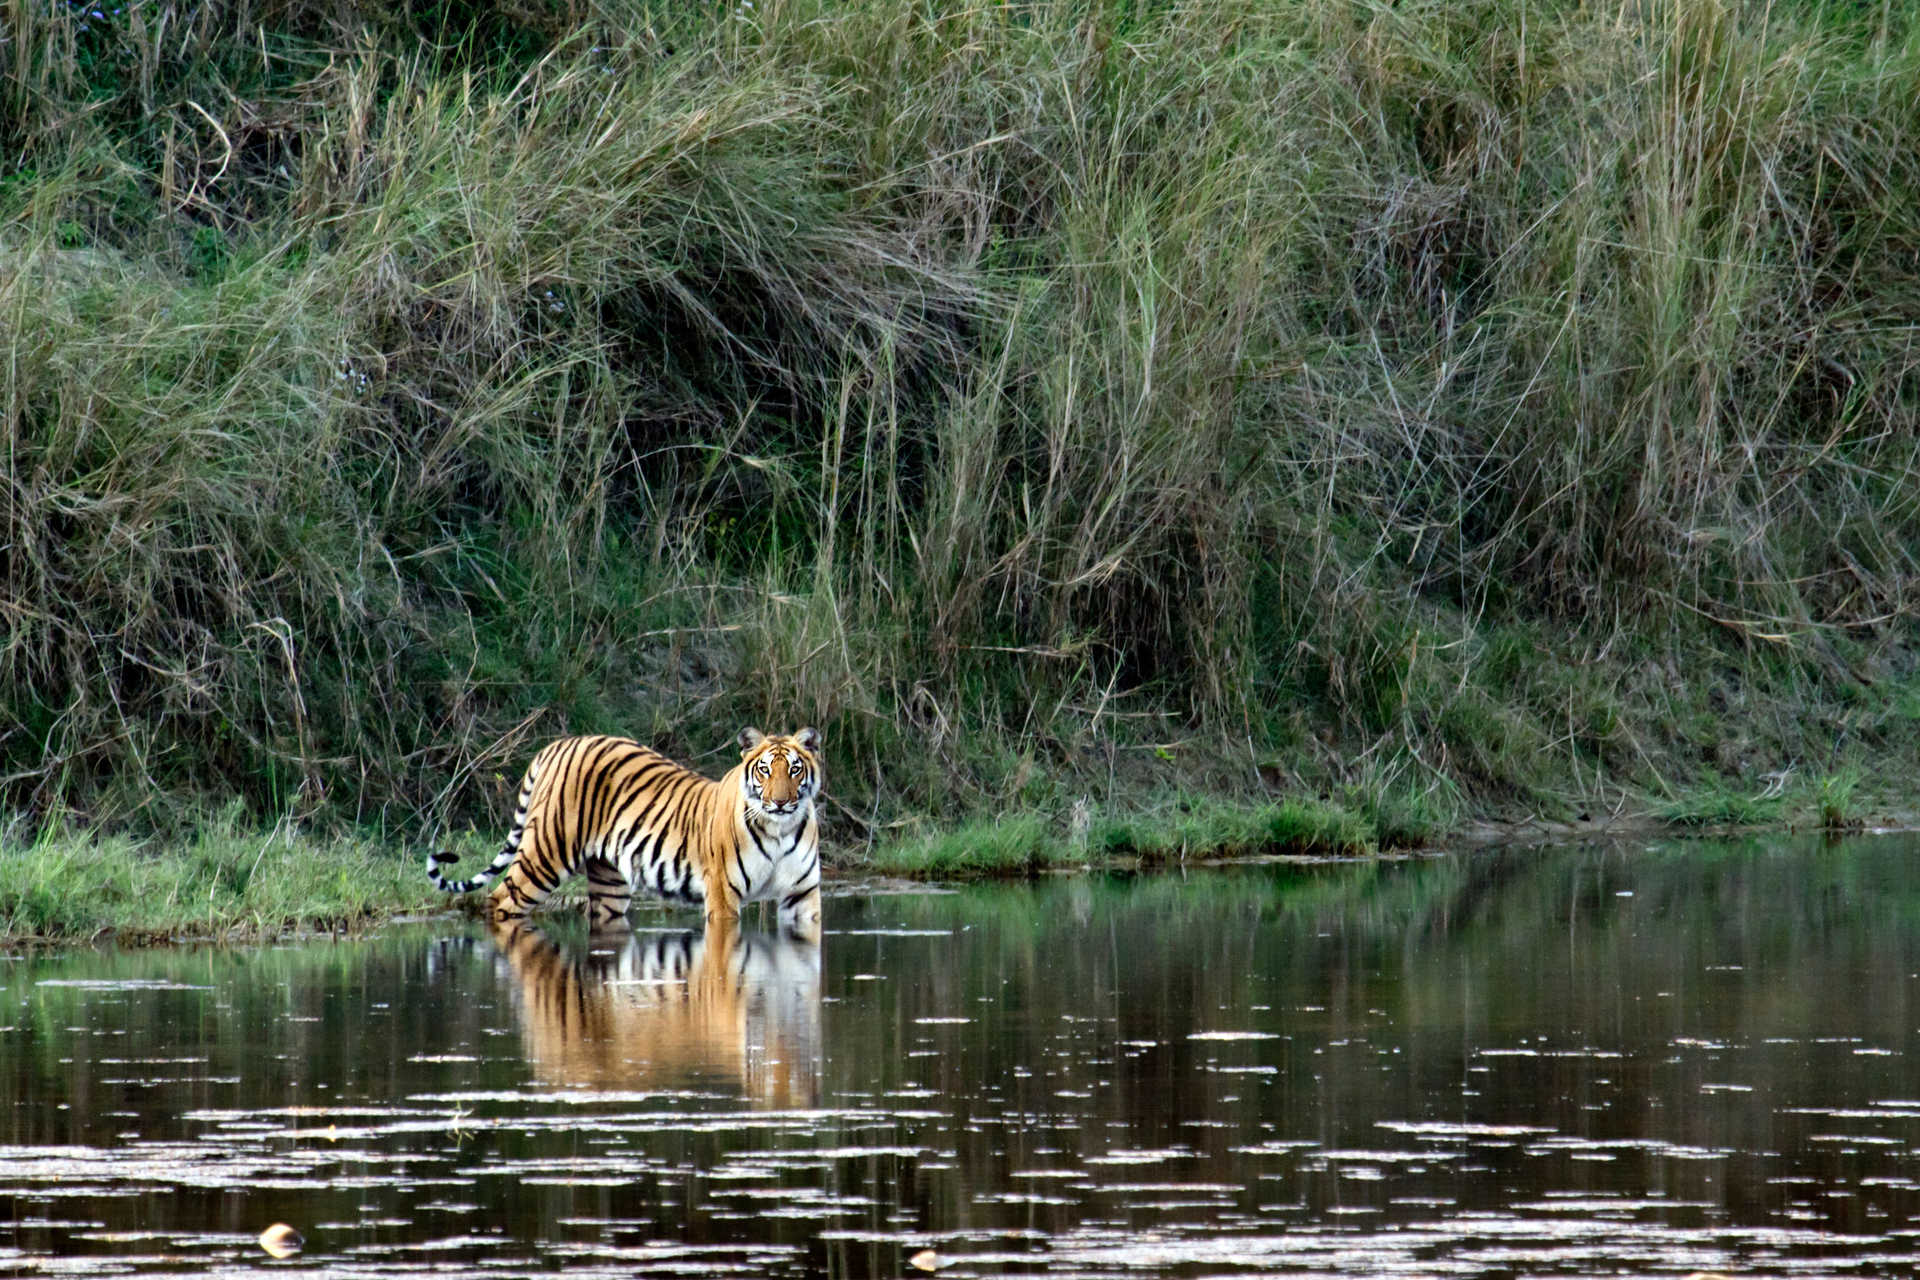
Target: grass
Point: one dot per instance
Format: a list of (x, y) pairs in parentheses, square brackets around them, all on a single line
[(1720, 805), (1454, 410), (230, 884), (226, 883), (1834, 802), (1837, 801), (1176, 831), (1023, 845), (1206, 828)]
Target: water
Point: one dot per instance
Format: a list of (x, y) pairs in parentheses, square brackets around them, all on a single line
[(1531, 1062)]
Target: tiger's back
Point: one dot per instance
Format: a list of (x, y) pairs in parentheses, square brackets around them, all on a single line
[(630, 819)]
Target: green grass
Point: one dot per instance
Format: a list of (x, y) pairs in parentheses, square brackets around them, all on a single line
[(1456, 410), (1174, 831), (1023, 845), (1208, 828), (1837, 801), (222, 884), (1721, 804)]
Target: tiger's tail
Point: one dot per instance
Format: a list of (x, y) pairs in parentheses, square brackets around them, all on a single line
[(502, 860)]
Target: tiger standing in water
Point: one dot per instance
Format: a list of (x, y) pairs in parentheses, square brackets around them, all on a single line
[(629, 818)]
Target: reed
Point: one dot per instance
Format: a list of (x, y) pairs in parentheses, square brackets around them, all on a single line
[(1509, 402)]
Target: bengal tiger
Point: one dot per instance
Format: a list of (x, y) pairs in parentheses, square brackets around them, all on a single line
[(629, 818), (721, 1007)]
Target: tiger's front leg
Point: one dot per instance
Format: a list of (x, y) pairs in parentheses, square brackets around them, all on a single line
[(721, 900)]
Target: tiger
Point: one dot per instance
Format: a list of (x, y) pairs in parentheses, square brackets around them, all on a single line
[(628, 818), (726, 1007)]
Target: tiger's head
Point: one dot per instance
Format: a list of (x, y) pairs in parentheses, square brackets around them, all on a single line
[(781, 773)]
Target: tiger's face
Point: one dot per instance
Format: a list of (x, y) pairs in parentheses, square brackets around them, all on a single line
[(781, 774)]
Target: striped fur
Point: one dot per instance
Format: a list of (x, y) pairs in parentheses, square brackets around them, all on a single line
[(629, 818)]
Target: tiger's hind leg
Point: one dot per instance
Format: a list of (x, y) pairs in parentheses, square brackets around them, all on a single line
[(525, 884), (608, 895)]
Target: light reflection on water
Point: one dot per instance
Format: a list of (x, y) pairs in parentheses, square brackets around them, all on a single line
[(1571, 1062)]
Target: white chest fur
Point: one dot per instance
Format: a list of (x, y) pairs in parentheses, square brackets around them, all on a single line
[(777, 856)]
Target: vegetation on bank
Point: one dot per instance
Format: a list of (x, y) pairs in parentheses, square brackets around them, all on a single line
[(233, 883), (1450, 408), (229, 881), (1185, 831)]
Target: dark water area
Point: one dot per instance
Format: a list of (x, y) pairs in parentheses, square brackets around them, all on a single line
[(1648, 1059)]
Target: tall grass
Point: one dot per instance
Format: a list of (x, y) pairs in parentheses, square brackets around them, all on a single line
[(1513, 401)]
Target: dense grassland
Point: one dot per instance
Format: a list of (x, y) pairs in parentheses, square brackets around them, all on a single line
[(1428, 409)]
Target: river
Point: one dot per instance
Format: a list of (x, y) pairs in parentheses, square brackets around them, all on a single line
[(1650, 1058)]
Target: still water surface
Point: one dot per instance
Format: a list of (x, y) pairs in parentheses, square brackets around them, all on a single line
[(1632, 1060)]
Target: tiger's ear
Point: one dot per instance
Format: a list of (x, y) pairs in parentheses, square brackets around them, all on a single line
[(750, 739), (808, 738)]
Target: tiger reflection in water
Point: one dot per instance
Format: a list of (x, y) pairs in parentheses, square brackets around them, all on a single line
[(727, 1006)]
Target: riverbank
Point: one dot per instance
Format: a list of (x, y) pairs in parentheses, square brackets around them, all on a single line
[(229, 885), (223, 884)]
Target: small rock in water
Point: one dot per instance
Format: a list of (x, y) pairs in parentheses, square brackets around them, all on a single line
[(281, 1240), (926, 1260)]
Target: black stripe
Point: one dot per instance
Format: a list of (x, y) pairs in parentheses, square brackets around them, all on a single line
[(740, 865), (586, 773), (661, 822), (531, 873), (649, 873), (557, 808), (680, 819), (641, 798), (609, 757)]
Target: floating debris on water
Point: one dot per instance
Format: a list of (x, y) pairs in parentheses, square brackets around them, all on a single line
[(281, 1240)]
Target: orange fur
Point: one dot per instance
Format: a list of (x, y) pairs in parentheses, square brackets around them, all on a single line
[(630, 819)]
